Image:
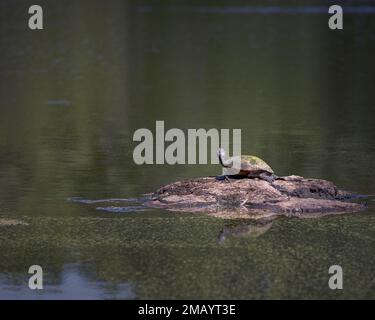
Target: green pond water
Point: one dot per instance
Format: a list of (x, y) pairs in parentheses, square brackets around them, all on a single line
[(72, 95)]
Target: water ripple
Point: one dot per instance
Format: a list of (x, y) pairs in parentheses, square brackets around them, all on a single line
[(128, 209), (262, 9), (115, 209), (88, 201)]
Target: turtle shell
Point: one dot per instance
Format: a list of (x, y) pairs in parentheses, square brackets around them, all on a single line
[(254, 164)]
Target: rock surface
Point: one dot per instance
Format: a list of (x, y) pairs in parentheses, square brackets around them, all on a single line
[(242, 198)]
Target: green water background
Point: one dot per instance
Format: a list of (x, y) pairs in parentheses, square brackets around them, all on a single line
[(72, 95)]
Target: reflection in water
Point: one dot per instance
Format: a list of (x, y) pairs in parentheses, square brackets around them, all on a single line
[(129, 208), (72, 96), (73, 285), (65, 103), (88, 201), (244, 230)]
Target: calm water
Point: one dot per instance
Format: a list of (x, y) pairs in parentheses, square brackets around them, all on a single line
[(72, 95)]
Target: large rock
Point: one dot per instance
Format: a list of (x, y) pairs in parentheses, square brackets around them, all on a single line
[(241, 198)]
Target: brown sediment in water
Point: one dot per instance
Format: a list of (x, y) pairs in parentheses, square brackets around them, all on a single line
[(255, 198)]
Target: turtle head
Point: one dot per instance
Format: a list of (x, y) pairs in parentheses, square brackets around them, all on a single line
[(221, 156), (221, 153)]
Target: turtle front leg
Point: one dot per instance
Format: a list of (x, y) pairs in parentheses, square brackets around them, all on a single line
[(267, 177), (221, 178)]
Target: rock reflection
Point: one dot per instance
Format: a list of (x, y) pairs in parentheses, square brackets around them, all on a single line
[(243, 230)]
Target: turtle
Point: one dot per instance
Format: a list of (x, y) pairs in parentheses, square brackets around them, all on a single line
[(250, 167)]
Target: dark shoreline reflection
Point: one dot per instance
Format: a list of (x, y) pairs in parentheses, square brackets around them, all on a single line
[(73, 285)]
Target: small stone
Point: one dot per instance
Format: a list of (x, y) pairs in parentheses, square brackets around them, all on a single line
[(11, 222)]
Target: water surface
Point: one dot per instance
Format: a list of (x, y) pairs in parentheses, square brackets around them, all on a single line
[(72, 95)]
